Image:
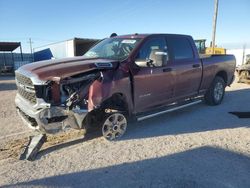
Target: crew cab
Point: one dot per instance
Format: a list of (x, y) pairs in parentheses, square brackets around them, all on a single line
[(126, 77)]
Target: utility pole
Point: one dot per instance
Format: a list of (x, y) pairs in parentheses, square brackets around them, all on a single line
[(21, 50), (30, 42), (243, 55), (31, 49), (216, 2)]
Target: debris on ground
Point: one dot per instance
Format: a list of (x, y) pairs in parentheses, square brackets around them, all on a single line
[(14, 148)]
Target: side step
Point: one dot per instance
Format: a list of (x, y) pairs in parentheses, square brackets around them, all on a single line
[(140, 118)]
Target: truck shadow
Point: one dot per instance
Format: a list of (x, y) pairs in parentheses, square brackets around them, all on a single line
[(200, 167), (198, 118), (66, 144)]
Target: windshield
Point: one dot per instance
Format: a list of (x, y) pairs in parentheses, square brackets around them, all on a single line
[(112, 48)]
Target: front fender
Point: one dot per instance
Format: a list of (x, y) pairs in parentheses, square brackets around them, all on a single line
[(100, 91)]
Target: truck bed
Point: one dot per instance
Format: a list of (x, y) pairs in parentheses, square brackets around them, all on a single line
[(213, 64)]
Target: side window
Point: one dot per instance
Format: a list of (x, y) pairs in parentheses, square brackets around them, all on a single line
[(152, 44), (181, 47)]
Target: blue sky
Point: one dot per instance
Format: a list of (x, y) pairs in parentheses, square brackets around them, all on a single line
[(47, 21)]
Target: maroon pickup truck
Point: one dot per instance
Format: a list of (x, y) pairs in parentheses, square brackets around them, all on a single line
[(122, 77)]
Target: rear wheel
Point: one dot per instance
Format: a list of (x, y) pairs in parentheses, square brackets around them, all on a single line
[(215, 93), (114, 126)]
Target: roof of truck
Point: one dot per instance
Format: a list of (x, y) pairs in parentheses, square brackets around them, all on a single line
[(136, 35)]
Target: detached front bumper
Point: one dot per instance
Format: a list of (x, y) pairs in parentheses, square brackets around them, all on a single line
[(46, 118)]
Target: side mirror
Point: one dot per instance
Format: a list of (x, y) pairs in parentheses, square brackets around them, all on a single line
[(158, 57), (142, 62)]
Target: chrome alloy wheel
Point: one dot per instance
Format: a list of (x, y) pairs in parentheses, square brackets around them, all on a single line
[(114, 126), (218, 91)]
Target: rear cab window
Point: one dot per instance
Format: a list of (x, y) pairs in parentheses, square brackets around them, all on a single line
[(181, 48)]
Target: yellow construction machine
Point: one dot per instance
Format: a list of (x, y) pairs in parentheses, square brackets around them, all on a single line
[(202, 49)]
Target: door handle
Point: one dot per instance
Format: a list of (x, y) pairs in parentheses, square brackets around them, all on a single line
[(167, 69), (196, 65)]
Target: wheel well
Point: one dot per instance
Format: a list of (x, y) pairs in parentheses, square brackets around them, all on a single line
[(116, 102), (223, 75)]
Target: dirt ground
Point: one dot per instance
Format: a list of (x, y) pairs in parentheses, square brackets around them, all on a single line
[(200, 146)]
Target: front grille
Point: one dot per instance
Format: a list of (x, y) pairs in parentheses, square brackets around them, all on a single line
[(23, 79), (25, 88), (27, 95)]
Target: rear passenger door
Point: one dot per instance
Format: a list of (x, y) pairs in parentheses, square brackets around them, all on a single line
[(187, 69)]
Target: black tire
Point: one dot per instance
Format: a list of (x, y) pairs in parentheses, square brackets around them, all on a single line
[(94, 124), (215, 93)]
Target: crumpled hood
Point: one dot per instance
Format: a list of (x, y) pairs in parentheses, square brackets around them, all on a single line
[(62, 68)]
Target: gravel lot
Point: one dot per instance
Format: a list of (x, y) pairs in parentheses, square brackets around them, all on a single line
[(200, 146)]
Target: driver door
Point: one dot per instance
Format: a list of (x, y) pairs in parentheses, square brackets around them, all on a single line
[(153, 86)]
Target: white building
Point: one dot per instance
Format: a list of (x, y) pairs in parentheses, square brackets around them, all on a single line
[(68, 48), (239, 53)]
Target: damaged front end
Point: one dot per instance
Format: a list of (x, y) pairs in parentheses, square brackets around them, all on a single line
[(54, 105)]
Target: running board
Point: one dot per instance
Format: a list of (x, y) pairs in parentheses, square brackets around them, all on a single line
[(140, 118)]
